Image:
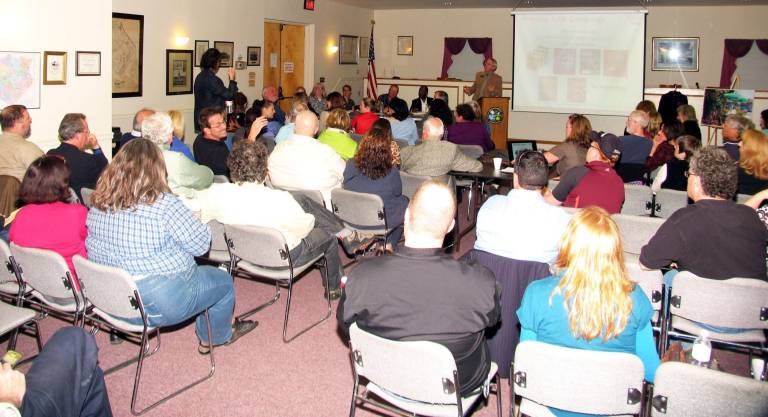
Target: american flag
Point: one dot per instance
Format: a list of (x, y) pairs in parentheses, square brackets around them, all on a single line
[(371, 70)]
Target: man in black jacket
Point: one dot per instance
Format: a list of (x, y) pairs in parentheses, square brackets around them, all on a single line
[(209, 89), (209, 147), (75, 137)]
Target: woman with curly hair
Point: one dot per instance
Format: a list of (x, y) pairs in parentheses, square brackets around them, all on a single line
[(572, 152), (372, 171), (590, 303), (384, 125), (753, 162)]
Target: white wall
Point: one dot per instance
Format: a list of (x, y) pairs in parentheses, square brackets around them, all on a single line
[(46, 25)]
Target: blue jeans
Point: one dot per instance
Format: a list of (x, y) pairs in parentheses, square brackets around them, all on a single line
[(174, 298)]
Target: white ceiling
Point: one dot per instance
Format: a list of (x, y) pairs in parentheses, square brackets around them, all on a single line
[(471, 4)]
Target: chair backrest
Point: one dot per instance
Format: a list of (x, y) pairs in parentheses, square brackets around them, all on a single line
[(636, 231), (571, 210), (220, 179), (260, 246), (739, 303), (47, 273), (551, 184), (742, 198), (585, 381), (359, 210), (73, 198), (85, 193), (472, 151), (418, 370), (411, 183), (313, 195), (402, 143), (9, 283), (637, 200), (650, 282), (669, 201), (682, 390), (217, 236), (111, 290)]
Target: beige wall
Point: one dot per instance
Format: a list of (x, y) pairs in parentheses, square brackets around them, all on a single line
[(40, 25)]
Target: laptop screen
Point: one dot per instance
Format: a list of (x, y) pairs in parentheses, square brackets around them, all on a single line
[(514, 147)]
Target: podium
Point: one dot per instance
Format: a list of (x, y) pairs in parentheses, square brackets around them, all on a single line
[(496, 111)]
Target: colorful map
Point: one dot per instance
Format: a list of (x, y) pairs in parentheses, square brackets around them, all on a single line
[(20, 79)]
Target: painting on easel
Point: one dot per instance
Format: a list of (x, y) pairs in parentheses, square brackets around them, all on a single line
[(720, 103)]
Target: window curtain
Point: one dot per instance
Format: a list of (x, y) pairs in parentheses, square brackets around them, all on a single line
[(733, 50), (454, 46)]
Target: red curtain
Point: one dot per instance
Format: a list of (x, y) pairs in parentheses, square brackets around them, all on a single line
[(454, 46), (733, 50)]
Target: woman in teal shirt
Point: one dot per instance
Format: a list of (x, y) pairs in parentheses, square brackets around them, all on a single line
[(590, 303)]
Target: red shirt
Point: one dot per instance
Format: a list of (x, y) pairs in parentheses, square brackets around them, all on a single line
[(594, 184), (363, 121)]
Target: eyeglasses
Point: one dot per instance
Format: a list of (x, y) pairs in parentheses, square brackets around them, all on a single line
[(218, 124)]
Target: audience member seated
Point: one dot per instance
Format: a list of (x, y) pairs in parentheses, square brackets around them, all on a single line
[(16, 152), (362, 122), (753, 162), (441, 95), (663, 150), (686, 114), (384, 125), (733, 126), (286, 131), (648, 107), (440, 109), (635, 148), (674, 174), (335, 101), (468, 130), (385, 100), (756, 202), (714, 237), (210, 149), (247, 201), (403, 125), (522, 212), (65, 380), (371, 171), (137, 224), (255, 129), (136, 132), (764, 121), (595, 183), (434, 156), (303, 163), (573, 152), (335, 134), (590, 302), (269, 95), (177, 143), (346, 93), (76, 137), (388, 295), (317, 102), (184, 176), (654, 124), (423, 102), (240, 105), (48, 221), (265, 109)]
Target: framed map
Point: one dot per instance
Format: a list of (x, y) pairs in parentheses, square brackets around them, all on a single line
[(127, 54), (20, 79)]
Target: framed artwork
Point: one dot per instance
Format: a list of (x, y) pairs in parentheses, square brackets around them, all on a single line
[(178, 72), (254, 56), (405, 45), (363, 47), (87, 63), (227, 50), (127, 54), (200, 48), (54, 68), (348, 49), (20, 79), (675, 54)]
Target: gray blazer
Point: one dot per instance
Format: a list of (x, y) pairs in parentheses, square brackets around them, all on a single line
[(436, 157)]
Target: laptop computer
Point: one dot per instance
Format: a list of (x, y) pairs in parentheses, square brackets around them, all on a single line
[(514, 147)]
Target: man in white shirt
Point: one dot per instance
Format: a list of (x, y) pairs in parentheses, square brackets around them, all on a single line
[(303, 163), (522, 225)]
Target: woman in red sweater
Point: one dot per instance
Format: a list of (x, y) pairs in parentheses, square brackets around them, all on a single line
[(363, 121)]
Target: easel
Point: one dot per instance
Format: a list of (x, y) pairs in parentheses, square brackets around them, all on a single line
[(712, 134)]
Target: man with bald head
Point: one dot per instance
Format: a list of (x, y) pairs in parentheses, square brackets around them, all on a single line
[(422, 293), (434, 156), (136, 132), (303, 163)]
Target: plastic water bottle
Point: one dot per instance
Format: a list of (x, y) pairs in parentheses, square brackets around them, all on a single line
[(702, 350)]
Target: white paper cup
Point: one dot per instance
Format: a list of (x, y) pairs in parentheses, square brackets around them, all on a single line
[(757, 368), (497, 164)]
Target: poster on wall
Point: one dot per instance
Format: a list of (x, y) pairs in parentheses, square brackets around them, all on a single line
[(178, 72), (20, 79), (720, 103), (127, 54)]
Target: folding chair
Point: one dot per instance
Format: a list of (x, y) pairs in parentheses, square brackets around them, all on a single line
[(360, 211), (218, 254), (584, 381), (636, 231), (12, 291), (12, 318), (667, 202), (412, 182), (652, 284), (742, 198), (116, 300), (637, 200), (682, 390), (314, 195), (220, 179), (419, 377), (262, 252), (46, 273), (402, 143), (474, 152), (86, 193)]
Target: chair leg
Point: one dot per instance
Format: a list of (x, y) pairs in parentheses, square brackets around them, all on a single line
[(262, 306), (498, 396), (355, 387), (324, 277)]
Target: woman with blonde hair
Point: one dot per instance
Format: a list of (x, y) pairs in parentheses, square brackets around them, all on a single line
[(590, 303), (753, 162), (572, 152), (177, 143), (335, 135), (137, 224)]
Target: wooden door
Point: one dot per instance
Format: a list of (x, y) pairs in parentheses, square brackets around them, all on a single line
[(287, 70)]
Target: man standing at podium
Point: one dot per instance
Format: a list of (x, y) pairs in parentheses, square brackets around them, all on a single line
[(487, 82)]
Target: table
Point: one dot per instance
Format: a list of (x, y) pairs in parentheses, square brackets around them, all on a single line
[(479, 179)]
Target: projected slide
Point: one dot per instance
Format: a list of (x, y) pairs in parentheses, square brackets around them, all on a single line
[(582, 62)]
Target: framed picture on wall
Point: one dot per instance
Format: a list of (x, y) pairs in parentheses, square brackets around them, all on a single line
[(405, 45), (675, 54), (87, 63), (254, 56), (21, 81), (363, 47), (348, 49), (54, 67), (227, 50), (178, 72), (127, 54), (200, 48)]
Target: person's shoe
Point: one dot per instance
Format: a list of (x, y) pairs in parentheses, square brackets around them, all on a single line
[(333, 294), (357, 242), (240, 328)]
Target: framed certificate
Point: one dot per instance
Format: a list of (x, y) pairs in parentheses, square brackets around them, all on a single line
[(87, 63)]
